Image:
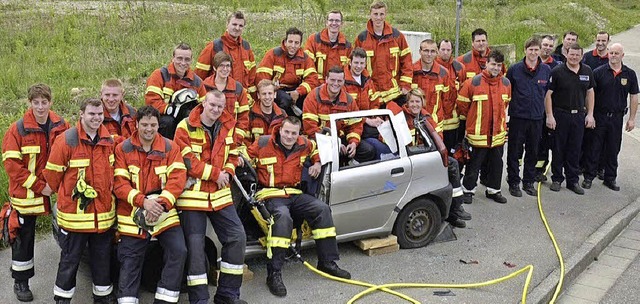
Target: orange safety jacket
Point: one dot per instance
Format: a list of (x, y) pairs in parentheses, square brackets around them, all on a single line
[(435, 85), (125, 127), (317, 107), (139, 172), (237, 104), (364, 93), (243, 67), (25, 150), (279, 175), (262, 124), (388, 60), (297, 72), (474, 63), (74, 156), (326, 54), (456, 76), (410, 117), (205, 159), (483, 100), (163, 82)]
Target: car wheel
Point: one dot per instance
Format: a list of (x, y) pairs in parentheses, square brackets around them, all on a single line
[(417, 224)]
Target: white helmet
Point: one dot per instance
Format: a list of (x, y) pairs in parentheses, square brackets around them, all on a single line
[(148, 223), (179, 98)]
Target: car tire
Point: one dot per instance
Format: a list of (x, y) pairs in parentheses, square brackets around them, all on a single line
[(417, 224)]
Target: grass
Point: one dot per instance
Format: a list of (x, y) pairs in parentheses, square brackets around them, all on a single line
[(77, 44)]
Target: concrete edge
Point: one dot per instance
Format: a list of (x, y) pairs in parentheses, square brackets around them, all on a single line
[(585, 254)]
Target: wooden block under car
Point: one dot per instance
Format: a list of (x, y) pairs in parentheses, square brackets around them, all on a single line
[(376, 242), (382, 250)]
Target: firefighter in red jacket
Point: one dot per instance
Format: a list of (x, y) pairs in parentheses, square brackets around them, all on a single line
[(331, 98), (388, 54), (328, 47), (25, 150), (80, 168), (235, 95), (165, 81), (149, 176), (232, 43), (264, 114), (483, 100), (206, 139), (432, 79), (292, 70), (455, 77), (119, 117), (279, 159), (360, 86)]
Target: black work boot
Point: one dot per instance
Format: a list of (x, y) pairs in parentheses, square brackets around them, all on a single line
[(22, 291), (332, 268), (275, 283), (108, 299), (220, 299), (61, 300)]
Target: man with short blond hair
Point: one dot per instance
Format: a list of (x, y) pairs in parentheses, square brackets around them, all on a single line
[(118, 114)]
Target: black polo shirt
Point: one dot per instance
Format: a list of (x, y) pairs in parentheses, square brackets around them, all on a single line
[(612, 91), (570, 89)]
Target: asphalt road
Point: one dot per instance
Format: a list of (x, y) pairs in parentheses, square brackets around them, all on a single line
[(511, 233)]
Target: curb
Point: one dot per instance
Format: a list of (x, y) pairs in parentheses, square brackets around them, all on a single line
[(585, 254)]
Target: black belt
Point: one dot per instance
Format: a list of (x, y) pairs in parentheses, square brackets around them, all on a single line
[(611, 114), (570, 111)]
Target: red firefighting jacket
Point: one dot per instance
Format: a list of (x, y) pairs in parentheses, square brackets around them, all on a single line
[(455, 77), (474, 63), (237, 104), (259, 123), (121, 130), (205, 159), (244, 62), (163, 82), (73, 156), (483, 101), (326, 54), (388, 60), (138, 172), (365, 94), (318, 106), (297, 73), (279, 175), (25, 150), (410, 117), (435, 85)]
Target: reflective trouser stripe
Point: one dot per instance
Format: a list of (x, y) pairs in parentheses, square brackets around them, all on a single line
[(57, 291), (21, 266), (198, 279), (457, 192), (128, 300), (230, 268), (167, 295), (322, 233), (102, 291)]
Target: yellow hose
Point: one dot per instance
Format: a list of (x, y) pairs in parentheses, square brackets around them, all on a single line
[(388, 287)]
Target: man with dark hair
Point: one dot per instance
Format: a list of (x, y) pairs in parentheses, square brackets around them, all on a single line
[(361, 87), (483, 100), (331, 98), (174, 83), (149, 175), (432, 79), (80, 169), (547, 42), (231, 42), (599, 55), (570, 92), (25, 149), (615, 82), (206, 141), (568, 39), (475, 61), (278, 161), (455, 78), (388, 54), (292, 71), (328, 47), (529, 79), (118, 115)]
